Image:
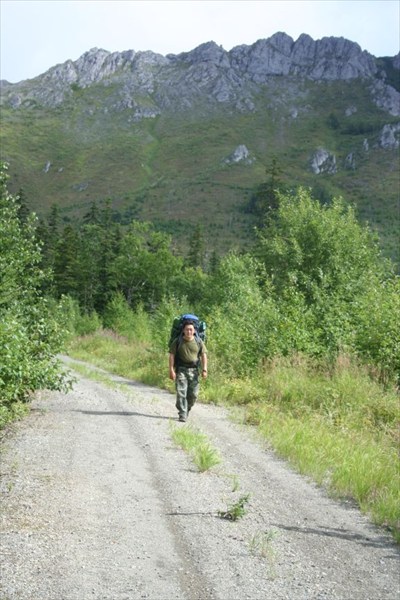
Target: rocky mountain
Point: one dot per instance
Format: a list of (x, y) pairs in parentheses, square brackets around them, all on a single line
[(231, 78), (172, 133)]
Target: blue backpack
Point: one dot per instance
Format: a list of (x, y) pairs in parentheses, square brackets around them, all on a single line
[(179, 323)]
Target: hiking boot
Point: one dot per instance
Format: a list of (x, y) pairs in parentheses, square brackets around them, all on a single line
[(182, 418)]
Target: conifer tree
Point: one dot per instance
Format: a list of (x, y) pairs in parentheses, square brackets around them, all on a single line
[(66, 264), (48, 232), (23, 210), (196, 254), (90, 258), (92, 217), (266, 198)]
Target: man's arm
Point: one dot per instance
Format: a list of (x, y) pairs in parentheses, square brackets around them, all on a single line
[(172, 374), (204, 363)]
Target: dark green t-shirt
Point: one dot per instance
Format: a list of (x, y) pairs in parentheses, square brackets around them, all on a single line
[(188, 351)]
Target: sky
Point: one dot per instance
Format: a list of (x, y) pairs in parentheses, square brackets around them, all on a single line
[(37, 35)]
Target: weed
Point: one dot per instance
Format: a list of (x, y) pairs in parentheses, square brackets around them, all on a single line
[(236, 510), (235, 483), (260, 544), (205, 457)]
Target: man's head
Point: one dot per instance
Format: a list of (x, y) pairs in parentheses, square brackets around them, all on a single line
[(188, 330)]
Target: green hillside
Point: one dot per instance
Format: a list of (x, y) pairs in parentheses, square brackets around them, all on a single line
[(170, 169)]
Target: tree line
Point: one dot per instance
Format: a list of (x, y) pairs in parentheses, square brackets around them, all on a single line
[(314, 283)]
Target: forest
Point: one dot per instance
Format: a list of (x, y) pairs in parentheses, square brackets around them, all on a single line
[(302, 329)]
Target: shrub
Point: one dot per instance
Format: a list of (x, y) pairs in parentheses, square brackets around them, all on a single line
[(30, 333)]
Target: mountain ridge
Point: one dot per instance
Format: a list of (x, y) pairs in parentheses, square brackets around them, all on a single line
[(329, 58)]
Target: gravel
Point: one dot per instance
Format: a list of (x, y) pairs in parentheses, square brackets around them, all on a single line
[(98, 503)]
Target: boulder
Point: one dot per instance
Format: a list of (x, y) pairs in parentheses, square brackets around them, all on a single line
[(389, 137), (323, 161), (240, 154)]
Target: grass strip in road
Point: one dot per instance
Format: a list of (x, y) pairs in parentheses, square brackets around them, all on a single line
[(195, 443)]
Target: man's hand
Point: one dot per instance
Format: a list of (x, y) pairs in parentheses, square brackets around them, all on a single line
[(172, 374)]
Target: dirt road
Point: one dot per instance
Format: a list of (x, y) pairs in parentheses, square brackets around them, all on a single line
[(98, 503)]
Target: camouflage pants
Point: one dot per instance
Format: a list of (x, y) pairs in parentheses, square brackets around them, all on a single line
[(187, 389)]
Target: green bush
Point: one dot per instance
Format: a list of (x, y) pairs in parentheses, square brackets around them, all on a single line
[(119, 316), (377, 331), (30, 331)]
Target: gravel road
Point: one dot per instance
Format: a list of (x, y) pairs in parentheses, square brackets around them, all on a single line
[(98, 503)]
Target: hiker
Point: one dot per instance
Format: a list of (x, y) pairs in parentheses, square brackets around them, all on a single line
[(185, 354)]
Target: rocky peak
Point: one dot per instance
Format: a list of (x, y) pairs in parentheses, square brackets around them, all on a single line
[(396, 61), (209, 52), (98, 64), (329, 58), (206, 74)]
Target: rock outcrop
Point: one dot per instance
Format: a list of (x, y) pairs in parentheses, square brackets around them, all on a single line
[(389, 137), (148, 83), (323, 161), (240, 154)]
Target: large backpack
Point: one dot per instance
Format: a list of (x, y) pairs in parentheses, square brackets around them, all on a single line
[(179, 323)]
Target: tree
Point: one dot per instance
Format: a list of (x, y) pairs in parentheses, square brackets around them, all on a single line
[(48, 233), (326, 256), (266, 197), (145, 269), (196, 254), (92, 217), (29, 334), (214, 262), (89, 266), (23, 210), (319, 248)]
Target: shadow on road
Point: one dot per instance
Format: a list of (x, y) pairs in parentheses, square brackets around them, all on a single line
[(192, 514), (381, 542), (121, 413)]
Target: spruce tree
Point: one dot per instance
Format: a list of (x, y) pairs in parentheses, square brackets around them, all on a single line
[(196, 255)]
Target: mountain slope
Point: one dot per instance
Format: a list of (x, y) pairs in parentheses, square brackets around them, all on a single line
[(157, 135)]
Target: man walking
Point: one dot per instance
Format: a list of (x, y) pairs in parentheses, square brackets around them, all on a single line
[(185, 354)]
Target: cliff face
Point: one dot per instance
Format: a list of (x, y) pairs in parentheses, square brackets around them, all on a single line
[(149, 83)]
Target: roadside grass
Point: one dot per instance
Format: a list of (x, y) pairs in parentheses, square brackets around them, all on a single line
[(94, 375), (197, 445), (12, 412), (120, 356), (332, 423)]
